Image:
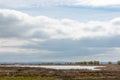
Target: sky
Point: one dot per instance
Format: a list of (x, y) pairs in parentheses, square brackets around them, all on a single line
[(59, 30)]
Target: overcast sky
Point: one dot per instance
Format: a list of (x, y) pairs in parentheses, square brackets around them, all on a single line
[(59, 30)]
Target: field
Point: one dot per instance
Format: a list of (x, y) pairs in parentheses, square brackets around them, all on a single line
[(110, 72), (25, 78)]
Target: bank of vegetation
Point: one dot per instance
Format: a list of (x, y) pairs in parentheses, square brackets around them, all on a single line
[(111, 72)]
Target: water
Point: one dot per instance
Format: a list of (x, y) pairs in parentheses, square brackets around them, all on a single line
[(71, 67), (57, 67)]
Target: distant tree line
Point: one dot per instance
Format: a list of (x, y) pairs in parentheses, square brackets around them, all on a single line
[(82, 63), (88, 63), (92, 63)]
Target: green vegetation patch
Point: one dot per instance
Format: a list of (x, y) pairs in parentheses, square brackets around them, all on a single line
[(25, 78)]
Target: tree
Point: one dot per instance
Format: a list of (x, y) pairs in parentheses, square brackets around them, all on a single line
[(118, 62), (84, 63), (96, 62), (109, 62), (90, 62)]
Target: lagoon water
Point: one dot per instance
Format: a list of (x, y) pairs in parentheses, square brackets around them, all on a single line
[(71, 67), (58, 67)]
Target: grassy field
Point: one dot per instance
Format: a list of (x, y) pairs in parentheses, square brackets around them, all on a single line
[(111, 72), (25, 78), (39, 78)]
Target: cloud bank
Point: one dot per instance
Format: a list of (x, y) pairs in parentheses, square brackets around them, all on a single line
[(50, 38), (15, 24)]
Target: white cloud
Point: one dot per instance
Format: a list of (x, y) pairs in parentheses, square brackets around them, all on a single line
[(15, 24), (98, 3), (19, 29), (15, 50), (13, 42), (38, 3)]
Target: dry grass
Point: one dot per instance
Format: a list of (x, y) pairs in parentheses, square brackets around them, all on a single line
[(110, 72)]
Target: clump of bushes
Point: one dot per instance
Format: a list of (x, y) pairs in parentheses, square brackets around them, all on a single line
[(118, 62)]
